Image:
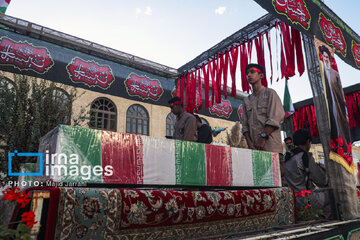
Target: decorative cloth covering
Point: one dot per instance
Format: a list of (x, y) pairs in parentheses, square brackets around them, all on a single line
[(138, 159), (47, 223), (90, 213)]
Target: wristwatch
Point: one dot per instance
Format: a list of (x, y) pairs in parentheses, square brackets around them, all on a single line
[(264, 135)]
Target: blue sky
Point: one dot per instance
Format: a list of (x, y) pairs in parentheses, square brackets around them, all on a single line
[(169, 32)]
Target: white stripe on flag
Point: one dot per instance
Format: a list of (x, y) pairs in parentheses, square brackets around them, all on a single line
[(159, 161), (242, 167)]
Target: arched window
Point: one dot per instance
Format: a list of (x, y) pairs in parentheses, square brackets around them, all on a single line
[(170, 122), (137, 120), (103, 114)]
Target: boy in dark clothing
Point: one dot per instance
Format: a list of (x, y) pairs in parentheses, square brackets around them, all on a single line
[(303, 173), (203, 131)]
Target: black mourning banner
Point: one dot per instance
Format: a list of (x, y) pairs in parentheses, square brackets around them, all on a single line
[(312, 17), (33, 57)]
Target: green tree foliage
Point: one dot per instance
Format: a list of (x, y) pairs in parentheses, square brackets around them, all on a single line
[(29, 109)]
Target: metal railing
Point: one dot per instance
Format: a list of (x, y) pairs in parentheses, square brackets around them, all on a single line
[(43, 33)]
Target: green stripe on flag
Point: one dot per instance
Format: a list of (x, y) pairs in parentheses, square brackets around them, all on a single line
[(3, 9), (262, 168), (287, 102), (84, 142), (190, 166), (287, 98)]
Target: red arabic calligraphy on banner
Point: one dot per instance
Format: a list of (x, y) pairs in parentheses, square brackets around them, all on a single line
[(295, 10), (25, 56), (332, 34), (143, 87), (355, 49), (90, 73), (222, 109)]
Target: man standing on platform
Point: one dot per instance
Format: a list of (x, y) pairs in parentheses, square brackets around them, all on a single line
[(263, 113), (185, 126)]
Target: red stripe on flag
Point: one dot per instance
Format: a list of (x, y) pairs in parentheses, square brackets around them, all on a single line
[(276, 169), (218, 165), (7, 1), (123, 152)]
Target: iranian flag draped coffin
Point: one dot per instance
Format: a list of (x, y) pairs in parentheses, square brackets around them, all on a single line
[(75, 154)]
